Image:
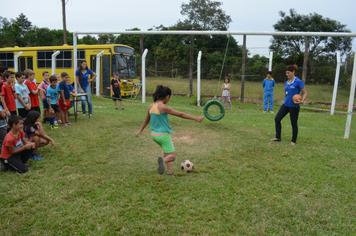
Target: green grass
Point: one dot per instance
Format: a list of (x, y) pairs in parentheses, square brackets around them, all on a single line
[(316, 93), (102, 180)]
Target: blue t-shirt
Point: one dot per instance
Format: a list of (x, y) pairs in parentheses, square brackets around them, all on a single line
[(85, 76), (70, 87), (291, 90), (53, 94), (23, 91), (64, 87)]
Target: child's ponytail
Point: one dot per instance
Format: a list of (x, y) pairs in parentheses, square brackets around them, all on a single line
[(161, 93)]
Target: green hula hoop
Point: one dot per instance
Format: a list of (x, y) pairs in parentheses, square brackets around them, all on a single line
[(214, 102)]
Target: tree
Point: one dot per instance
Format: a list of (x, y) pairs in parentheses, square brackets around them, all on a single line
[(24, 26), (204, 15), (292, 47)]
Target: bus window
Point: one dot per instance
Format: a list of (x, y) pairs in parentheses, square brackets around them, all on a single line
[(64, 59), (125, 65), (80, 57), (7, 59), (30, 63), (22, 63), (44, 59), (25, 63)]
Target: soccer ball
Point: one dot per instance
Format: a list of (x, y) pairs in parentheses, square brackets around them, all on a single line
[(187, 166)]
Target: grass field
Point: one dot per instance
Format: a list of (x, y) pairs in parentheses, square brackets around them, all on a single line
[(102, 180)]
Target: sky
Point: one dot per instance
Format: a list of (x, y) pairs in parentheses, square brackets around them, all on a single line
[(116, 15)]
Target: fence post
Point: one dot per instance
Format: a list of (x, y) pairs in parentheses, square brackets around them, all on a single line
[(143, 72), (243, 69), (172, 69), (54, 55), (336, 83), (351, 101), (198, 78), (305, 62), (16, 64), (98, 73), (191, 65), (270, 61)]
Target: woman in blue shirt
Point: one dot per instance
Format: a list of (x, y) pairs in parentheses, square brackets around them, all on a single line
[(83, 81), (292, 87)]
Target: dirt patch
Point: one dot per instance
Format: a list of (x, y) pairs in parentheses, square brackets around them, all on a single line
[(187, 137)]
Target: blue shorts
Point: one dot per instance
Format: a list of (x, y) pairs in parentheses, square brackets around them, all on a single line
[(45, 104)]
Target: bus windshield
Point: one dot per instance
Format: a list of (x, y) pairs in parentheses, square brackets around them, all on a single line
[(125, 65)]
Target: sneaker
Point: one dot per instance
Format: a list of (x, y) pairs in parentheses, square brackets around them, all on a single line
[(54, 127), (64, 124), (115, 108), (27, 165), (160, 165), (271, 111), (68, 123), (122, 108), (84, 114), (264, 111), (55, 122), (169, 172), (36, 157), (59, 121), (4, 167)]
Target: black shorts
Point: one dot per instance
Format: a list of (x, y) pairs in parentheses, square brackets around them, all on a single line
[(36, 109), (55, 108), (117, 97), (22, 112), (45, 104)]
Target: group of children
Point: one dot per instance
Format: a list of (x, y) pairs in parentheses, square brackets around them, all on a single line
[(21, 131)]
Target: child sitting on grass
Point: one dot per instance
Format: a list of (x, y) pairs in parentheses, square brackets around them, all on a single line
[(34, 133), (16, 150), (158, 115)]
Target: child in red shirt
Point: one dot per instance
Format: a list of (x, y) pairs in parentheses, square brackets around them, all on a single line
[(34, 91), (7, 94), (16, 150)]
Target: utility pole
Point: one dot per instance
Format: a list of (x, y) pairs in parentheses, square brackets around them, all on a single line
[(64, 21)]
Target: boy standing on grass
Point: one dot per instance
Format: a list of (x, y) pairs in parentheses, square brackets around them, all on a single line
[(23, 102), (115, 89), (7, 94), (35, 102), (52, 95), (64, 102), (57, 119), (44, 85), (16, 150), (268, 87)]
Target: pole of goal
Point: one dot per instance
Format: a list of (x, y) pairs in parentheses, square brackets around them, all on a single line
[(351, 101)]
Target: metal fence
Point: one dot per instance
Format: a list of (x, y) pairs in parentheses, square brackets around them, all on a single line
[(323, 76)]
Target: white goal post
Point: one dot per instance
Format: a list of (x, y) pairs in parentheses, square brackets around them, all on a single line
[(255, 33)]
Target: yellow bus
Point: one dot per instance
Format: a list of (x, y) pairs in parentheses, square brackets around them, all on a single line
[(116, 57)]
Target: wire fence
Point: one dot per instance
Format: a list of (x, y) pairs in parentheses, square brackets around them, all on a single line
[(177, 75)]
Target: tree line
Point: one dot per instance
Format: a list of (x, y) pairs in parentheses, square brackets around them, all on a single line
[(205, 15)]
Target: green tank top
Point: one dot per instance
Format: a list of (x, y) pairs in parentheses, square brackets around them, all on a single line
[(159, 121)]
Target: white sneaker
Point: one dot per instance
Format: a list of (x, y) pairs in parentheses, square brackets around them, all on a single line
[(68, 123), (55, 122)]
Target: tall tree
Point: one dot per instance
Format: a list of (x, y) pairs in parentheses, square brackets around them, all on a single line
[(24, 26), (293, 46), (204, 15)]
